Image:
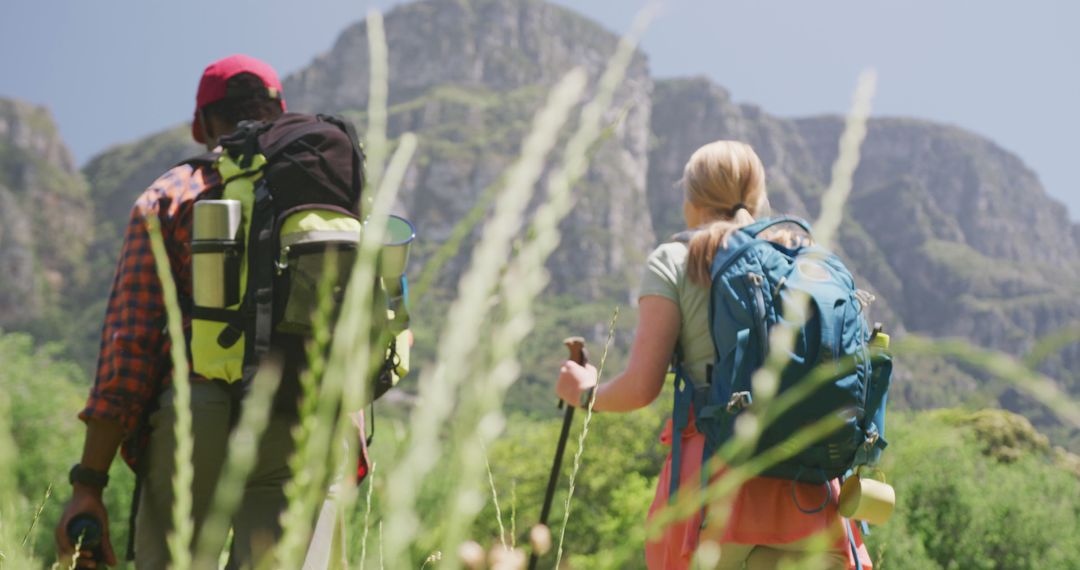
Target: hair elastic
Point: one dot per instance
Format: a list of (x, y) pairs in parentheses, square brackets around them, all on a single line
[(735, 209)]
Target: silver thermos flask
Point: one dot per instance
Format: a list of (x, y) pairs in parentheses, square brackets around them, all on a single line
[(216, 253)]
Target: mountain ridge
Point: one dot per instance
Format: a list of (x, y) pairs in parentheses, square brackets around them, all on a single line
[(932, 226)]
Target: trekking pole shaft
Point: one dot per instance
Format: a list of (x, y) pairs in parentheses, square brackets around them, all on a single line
[(576, 345), (556, 466)]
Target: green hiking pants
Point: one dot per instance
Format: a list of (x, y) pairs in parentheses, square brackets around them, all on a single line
[(256, 525)]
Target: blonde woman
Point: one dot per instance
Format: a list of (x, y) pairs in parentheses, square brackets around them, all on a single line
[(724, 185)]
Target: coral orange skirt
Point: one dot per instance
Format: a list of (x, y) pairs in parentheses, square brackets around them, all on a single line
[(762, 512)]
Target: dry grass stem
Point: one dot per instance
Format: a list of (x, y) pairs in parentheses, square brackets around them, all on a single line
[(437, 387), (581, 439), (1001, 365), (367, 516), (182, 528), (523, 281), (242, 451), (495, 498)]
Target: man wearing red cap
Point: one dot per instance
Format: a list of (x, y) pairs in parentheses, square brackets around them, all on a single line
[(131, 404)]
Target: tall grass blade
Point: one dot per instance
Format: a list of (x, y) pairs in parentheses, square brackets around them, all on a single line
[(581, 440), (1005, 367), (180, 539), (495, 499), (350, 359), (37, 515), (1052, 344), (243, 447), (468, 313), (367, 516), (376, 145), (524, 280)]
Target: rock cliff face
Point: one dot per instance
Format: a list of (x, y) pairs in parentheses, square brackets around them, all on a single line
[(43, 226), (467, 77)]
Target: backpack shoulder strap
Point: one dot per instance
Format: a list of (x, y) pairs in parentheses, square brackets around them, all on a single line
[(759, 226)]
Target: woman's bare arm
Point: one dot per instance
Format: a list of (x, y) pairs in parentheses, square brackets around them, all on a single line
[(650, 354)]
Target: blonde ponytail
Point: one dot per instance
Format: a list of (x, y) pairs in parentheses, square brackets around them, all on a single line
[(725, 180)]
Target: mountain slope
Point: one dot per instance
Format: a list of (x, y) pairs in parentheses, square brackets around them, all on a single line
[(43, 226)]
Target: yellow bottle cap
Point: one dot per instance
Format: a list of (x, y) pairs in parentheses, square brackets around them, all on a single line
[(880, 340)]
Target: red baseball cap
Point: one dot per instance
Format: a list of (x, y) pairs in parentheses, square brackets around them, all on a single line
[(212, 85)]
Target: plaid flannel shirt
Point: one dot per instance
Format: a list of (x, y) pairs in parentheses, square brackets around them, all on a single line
[(133, 363)]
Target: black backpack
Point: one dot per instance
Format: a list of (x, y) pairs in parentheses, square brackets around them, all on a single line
[(287, 210)]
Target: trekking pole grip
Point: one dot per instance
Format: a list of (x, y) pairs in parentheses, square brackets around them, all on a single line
[(576, 346)]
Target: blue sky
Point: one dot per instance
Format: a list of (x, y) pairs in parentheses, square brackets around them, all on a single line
[(114, 70)]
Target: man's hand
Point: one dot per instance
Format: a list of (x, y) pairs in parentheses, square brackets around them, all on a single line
[(86, 500), (103, 438)]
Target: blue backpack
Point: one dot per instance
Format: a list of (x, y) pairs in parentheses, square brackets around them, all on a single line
[(752, 279)]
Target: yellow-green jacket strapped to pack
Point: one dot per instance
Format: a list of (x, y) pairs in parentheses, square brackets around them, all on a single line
[(285, 220)]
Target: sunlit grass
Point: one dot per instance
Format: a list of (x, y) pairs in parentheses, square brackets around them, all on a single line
[(183, 529)]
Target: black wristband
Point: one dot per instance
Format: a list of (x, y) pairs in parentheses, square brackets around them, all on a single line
[(89, 477)]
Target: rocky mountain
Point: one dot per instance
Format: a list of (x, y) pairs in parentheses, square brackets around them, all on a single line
[(43, 229), (953, 233), (467, 77)]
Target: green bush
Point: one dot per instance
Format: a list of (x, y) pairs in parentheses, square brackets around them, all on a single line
[(976, 490), (43, 395)]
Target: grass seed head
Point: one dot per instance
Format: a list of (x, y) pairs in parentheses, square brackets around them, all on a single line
[(540, 539)]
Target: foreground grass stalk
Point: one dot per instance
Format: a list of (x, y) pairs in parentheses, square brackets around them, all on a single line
[(349, 367), (495, 499), (1051, 344), (513, 514), (183, 528), (37, 515), (581, 440), (376, 145), (316, 352), (360, 363), (1005, 367), (344, 386), (524, 280), (367, 516), (243, 448), (467, 314)]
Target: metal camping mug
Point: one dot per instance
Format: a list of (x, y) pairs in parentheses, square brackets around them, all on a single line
[(395, 251), (866, 499), (215, 257)]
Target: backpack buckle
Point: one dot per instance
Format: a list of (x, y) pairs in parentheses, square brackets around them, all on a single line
[(739, 401), (871, 438)]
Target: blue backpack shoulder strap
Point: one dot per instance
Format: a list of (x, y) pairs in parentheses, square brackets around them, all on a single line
[(759, 226)]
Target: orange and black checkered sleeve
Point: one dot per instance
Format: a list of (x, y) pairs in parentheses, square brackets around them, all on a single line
[(134, 349)]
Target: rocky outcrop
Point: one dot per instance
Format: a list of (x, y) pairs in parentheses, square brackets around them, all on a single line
[(467, 77), (44, 226)]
